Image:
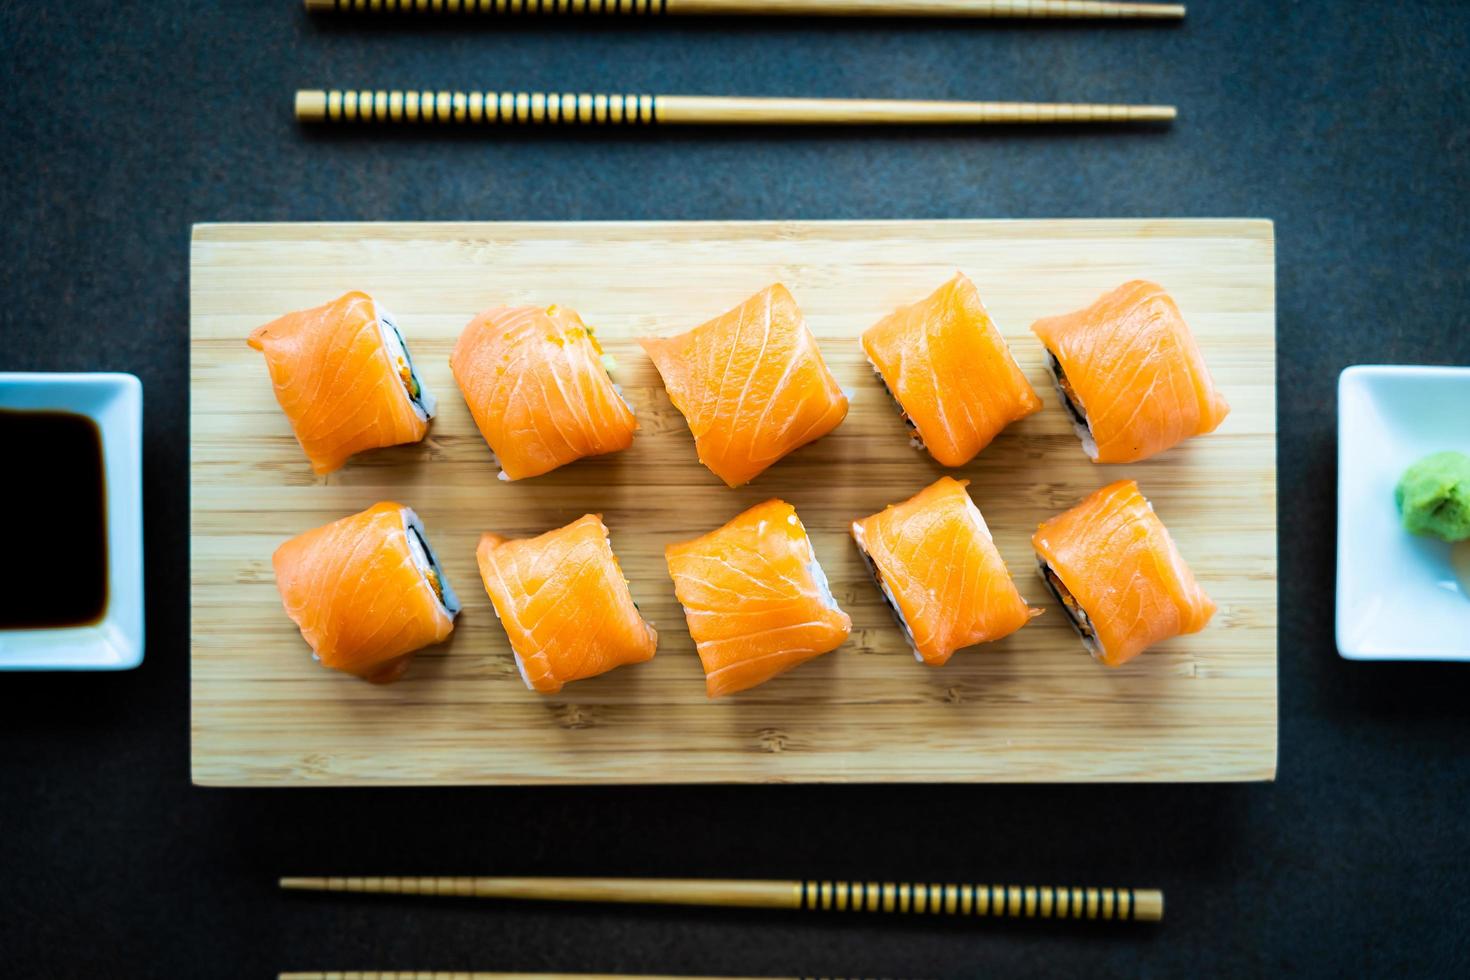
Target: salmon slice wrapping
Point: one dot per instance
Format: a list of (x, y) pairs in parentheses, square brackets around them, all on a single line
[(535, 382), (752, 385), (366, 591), (936, 564), (949, 369), (1113, 566), (756, 601), (344, 379), (1131, 374), (564, 604)]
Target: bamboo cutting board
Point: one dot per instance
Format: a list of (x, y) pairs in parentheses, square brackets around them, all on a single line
[(1032, 707)]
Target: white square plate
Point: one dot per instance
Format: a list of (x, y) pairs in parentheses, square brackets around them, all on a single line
[(115, 403), (1397, 594)]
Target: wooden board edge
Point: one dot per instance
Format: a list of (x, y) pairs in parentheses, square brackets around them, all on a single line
[(204, 780), (204, 232), (1260, 769)]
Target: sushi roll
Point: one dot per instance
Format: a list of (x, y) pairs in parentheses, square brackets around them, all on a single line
[(1113, 567), (564, 604), (755, 599), (344, 378), (536, 382), (1130, 374), (934, 561), (366, 591), (950, 372), (751, 383)]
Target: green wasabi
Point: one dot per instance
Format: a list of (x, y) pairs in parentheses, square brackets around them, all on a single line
[(1433, 496)]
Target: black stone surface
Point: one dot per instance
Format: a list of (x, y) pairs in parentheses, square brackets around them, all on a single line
[(1348, 123)]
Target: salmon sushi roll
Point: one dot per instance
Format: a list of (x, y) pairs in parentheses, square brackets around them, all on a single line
[(1130, 374), (564, 604), (1113, 567), (934, 561), (752, 385), (755, 599), (950, 372), (366, 591), (536, 381), (344, 378)]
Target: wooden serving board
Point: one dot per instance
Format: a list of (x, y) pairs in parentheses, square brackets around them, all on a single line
[(1032, 707)]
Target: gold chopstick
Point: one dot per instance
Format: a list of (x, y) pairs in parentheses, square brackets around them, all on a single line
[(1009, 901), (461, 975), (1028, 9), (492, 108)]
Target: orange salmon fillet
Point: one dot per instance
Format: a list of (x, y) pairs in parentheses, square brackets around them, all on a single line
[(359, 597), (1137, 371), (1121, 567), (949, 368), (534, 381), (754, 598), (564, 604), (340, 388), (751, 384), (936, 562)]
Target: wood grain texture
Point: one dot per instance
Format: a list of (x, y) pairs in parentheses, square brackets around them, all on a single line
[(1032, 707)]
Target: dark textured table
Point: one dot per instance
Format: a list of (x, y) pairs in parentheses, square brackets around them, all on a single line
[(1347, 123)]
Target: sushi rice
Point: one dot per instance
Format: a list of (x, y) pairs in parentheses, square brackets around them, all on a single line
[(915, 438), (1076, 615), (515, 654), (427, 563), (1075, 410), (815, 567), (610, 364), (423, 403), (860, 536)]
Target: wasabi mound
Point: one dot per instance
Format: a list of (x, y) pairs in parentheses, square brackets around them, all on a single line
[(1433, 496)]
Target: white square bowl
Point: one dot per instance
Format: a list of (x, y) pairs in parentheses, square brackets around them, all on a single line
[(1397, 594), (115, 403)]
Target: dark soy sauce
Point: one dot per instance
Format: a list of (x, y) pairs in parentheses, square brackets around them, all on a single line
[(53, 503)]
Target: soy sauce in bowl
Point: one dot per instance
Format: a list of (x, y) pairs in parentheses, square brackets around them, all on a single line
[(54, 503)]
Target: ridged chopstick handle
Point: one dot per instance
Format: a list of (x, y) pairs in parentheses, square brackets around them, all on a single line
[(1009, 901), (369, 105), (542, 108), (628, 7), (1018, 9)]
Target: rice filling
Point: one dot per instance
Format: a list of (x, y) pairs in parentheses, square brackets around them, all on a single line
[(609, 365), (423, 402), (888, 597), (426, 562), (1076, 615), (915, 438), (1075, 411)]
